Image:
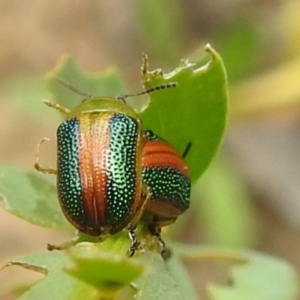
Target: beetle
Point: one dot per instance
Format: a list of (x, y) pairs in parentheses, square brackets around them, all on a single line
[(111, 172), (166, 174)]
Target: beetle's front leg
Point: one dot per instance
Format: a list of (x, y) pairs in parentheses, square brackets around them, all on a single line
[(57, 106), (134, 241), (132, 227), (37, 163), (145, 196)]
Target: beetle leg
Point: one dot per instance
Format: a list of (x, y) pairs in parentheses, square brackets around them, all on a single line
[(146, 192), (155, 230), (145, 65), (134, 242), (57, 106), (37, 163), (132, 227)]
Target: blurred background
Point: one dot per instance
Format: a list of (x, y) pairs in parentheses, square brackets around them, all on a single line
[(250, 196)]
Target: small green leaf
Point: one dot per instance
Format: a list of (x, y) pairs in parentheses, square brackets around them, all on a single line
[(56, 285), (31, 197), (255, 277), (195, 111), (146, 271), (263, 278), (107, 83), (118, 270)]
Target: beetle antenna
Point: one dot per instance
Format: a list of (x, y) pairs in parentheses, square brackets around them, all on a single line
[(187, 150), (121, 97), (150, 90), (73, 89)]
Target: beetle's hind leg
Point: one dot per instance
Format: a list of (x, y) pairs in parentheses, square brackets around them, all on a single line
[(155, 230), (37, 165)]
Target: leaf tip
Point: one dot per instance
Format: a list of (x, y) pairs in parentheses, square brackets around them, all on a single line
[(211, 51), (65, 59)]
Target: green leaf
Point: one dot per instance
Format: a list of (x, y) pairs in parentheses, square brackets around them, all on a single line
[(107, 83), (106, 272), (195, 111), (121, 270), (89, 258), (166, 280), (255, 277), (27, 103), (263, 278), (56, 285), (30, 196)]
